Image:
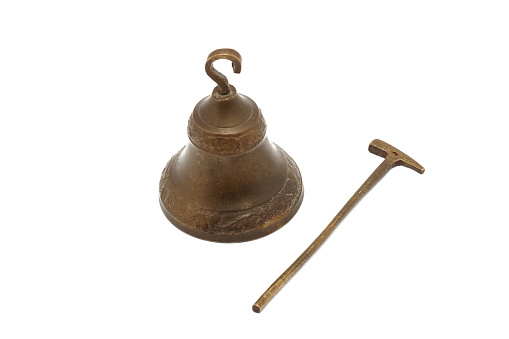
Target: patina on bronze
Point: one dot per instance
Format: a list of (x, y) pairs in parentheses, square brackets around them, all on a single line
[(393, 157), (229, 183)]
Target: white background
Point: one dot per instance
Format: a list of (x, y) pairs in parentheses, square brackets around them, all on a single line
[(94, 100)]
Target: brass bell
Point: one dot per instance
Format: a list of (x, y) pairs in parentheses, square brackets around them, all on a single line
[(229, 183)]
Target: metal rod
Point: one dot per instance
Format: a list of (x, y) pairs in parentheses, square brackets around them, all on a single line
[(393, 157)]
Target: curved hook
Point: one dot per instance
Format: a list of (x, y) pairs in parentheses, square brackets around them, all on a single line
[(219, 78)]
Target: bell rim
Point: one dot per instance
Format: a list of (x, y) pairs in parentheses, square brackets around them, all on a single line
[(237, 238)]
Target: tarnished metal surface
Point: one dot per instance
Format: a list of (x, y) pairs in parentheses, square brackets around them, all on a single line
[(229, 183)]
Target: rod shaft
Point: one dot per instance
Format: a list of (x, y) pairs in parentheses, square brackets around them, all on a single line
[(378, 174)]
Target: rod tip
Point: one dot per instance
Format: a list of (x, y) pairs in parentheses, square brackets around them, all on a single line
[(256, 308)]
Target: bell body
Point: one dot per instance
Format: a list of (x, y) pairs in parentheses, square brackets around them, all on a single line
[(229, 183), (231, 198)]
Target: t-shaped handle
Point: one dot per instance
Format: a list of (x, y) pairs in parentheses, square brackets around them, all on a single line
[(394, 155)]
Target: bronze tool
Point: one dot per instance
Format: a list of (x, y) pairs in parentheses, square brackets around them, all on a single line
[(393, 157)]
